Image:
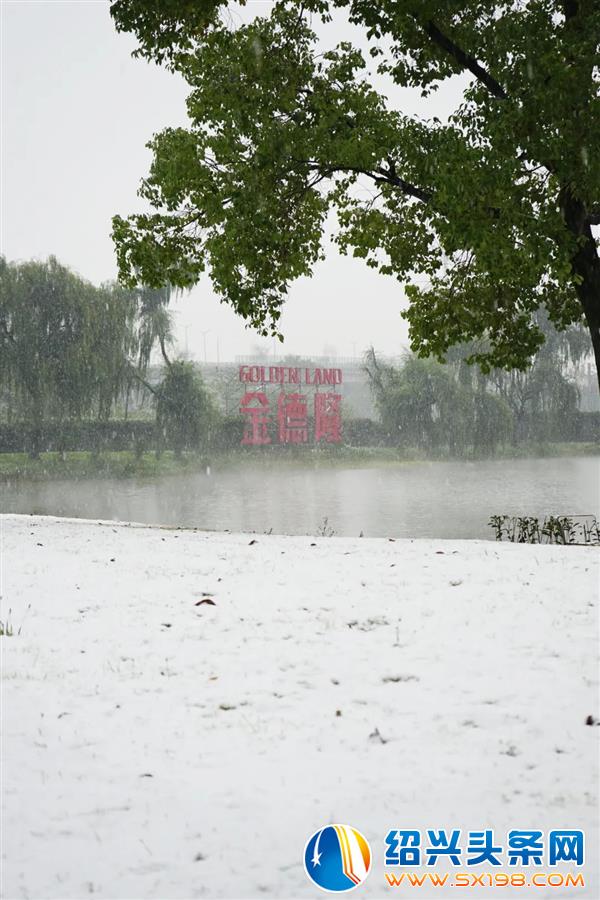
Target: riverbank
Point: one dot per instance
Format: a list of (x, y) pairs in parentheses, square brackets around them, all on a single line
[(159, 746), (126, 464)]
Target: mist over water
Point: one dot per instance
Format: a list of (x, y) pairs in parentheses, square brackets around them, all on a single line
[(418, 499)]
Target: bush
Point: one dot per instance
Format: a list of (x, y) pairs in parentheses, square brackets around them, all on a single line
[(77, 435), (365, 433)]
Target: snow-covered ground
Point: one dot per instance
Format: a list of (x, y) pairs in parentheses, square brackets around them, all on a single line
[(156, 748)]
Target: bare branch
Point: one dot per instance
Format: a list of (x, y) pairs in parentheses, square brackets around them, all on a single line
[(138, 377)]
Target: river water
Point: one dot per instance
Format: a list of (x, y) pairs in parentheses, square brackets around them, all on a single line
[(424, 499)]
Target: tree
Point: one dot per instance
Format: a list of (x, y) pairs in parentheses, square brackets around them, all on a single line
[(427, 405), (57, 335), (69, 349), (184, 408), (495, 207), (544, 398)]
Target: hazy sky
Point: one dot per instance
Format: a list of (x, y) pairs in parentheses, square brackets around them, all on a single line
[(77, 111)]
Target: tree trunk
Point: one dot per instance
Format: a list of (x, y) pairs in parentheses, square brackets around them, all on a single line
[(586, 266), (35, 435), (163, 350), (591, 310), (588, 291)]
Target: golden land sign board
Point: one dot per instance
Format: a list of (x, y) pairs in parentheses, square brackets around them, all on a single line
[(286, 421)]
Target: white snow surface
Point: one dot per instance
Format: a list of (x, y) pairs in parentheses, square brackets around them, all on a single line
[(154, 748)]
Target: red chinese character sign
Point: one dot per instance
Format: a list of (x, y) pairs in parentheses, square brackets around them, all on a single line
[(289, 420), (255, 408), (328, 418), (292, 419)]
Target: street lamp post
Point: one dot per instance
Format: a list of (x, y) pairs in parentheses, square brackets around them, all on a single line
[(204, 333)]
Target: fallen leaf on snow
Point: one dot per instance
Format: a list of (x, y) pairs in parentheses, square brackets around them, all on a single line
[(394, 679), (376, 737), (372, 623)]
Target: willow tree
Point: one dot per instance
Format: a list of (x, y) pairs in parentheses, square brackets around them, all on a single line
[(185, 413), (69, 349), (426, 405), (48, 328), (485, 217)]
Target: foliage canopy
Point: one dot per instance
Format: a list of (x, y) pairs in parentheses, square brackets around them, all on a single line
[(69, 349), (458, 408), (486, 216)]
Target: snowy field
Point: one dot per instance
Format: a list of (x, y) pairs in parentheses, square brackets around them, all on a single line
[(157, 748)]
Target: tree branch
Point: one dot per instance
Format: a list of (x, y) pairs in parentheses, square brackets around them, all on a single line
[(393, 178), (381, 176), (161, 341), (463, 59), (389, 176), (139, 378)]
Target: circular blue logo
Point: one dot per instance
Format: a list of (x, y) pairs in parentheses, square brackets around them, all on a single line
[(337, 858)]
